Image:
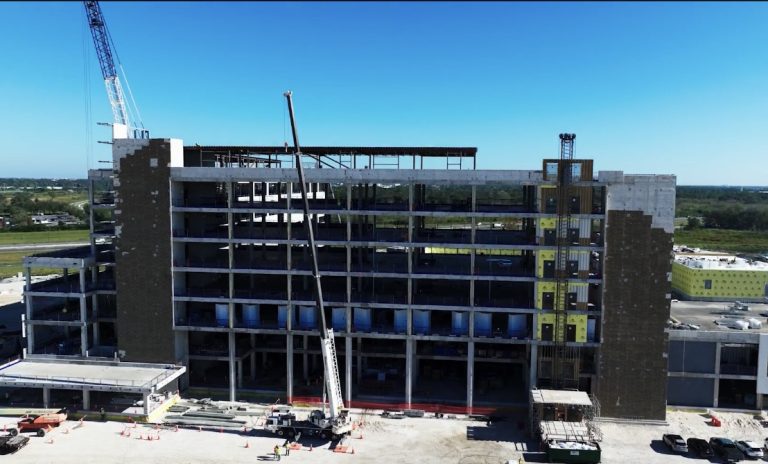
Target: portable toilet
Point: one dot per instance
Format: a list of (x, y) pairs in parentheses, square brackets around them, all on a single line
[(251, 315), (362, 321), (222, 314)]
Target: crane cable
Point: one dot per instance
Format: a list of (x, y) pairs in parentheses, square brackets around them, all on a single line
[(131, 107), (87, 107)]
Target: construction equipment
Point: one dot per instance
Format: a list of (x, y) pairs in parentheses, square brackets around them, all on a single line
[(124, 126), (38, 423), (337, 422), (9, 445)]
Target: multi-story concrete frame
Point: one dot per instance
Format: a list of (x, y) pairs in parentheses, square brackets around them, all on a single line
[(434, 296), (74, 315)]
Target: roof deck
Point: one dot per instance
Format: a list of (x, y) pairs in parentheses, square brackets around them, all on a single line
[(714, 316), (68, 374), (333, 157)]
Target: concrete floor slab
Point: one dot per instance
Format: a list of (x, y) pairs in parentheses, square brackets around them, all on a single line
[(94, 375)]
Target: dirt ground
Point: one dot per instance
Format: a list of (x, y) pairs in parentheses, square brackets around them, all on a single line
[(410, 440)]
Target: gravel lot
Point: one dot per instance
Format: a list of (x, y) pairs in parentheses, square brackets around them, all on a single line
[(411, 440)]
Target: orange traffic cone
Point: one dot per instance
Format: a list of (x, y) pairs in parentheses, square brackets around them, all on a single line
[(247, 445)]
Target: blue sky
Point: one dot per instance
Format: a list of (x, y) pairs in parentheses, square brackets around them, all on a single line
[(672, 88)]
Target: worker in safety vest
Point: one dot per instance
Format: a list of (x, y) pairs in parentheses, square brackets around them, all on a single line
[(277, 452)]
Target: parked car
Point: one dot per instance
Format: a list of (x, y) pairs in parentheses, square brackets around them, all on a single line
[(750, 449), (700, 448), (675, 442), (726, 449)]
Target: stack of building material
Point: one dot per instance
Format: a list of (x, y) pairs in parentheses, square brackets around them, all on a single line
[(206, 419)]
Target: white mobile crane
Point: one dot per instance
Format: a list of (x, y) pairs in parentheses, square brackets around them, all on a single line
[(123, 125), (337, 422)]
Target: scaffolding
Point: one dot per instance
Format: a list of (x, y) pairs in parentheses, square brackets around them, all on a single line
[(565, 415)]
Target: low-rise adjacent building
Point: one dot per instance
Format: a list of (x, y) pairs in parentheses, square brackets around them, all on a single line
[(711, 276)]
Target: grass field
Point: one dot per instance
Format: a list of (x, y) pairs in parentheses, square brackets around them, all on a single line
[(53, 236), (56, 195), (733, 241), (10, 264), (10, 261)]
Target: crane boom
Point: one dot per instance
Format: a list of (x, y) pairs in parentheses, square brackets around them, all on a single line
[(122, 124), (327, 345)]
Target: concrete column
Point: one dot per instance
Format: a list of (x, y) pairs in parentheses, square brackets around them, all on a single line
[(86, 399), (348, 369), (146, 404), (253, 357), (239, 373), (232, 372), (95, 308), (29, 329), (233, 378), (91, 214), (415, 362), (470, 375), (27, 279), (83, 322), (305, 358), (82, 279), (289, 367), (83, 314), (46, 397), (409, 371), (533, 368), (359, 360), (716, 392)]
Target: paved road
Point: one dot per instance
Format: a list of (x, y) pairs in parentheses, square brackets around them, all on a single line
[(41, 246)]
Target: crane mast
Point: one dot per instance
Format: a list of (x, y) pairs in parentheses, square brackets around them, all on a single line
[(327, 345), (122, 126)]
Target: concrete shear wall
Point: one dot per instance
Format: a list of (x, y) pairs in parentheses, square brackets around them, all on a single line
[(142, 249), (632, 376)]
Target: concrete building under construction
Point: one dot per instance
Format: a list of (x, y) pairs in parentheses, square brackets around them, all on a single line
[(440, 279)]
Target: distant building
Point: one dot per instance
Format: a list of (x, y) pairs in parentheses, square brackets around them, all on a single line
[(708, 276), (718, 355)]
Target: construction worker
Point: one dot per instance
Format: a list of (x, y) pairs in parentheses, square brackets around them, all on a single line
[(277, 452), (287, 448)]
